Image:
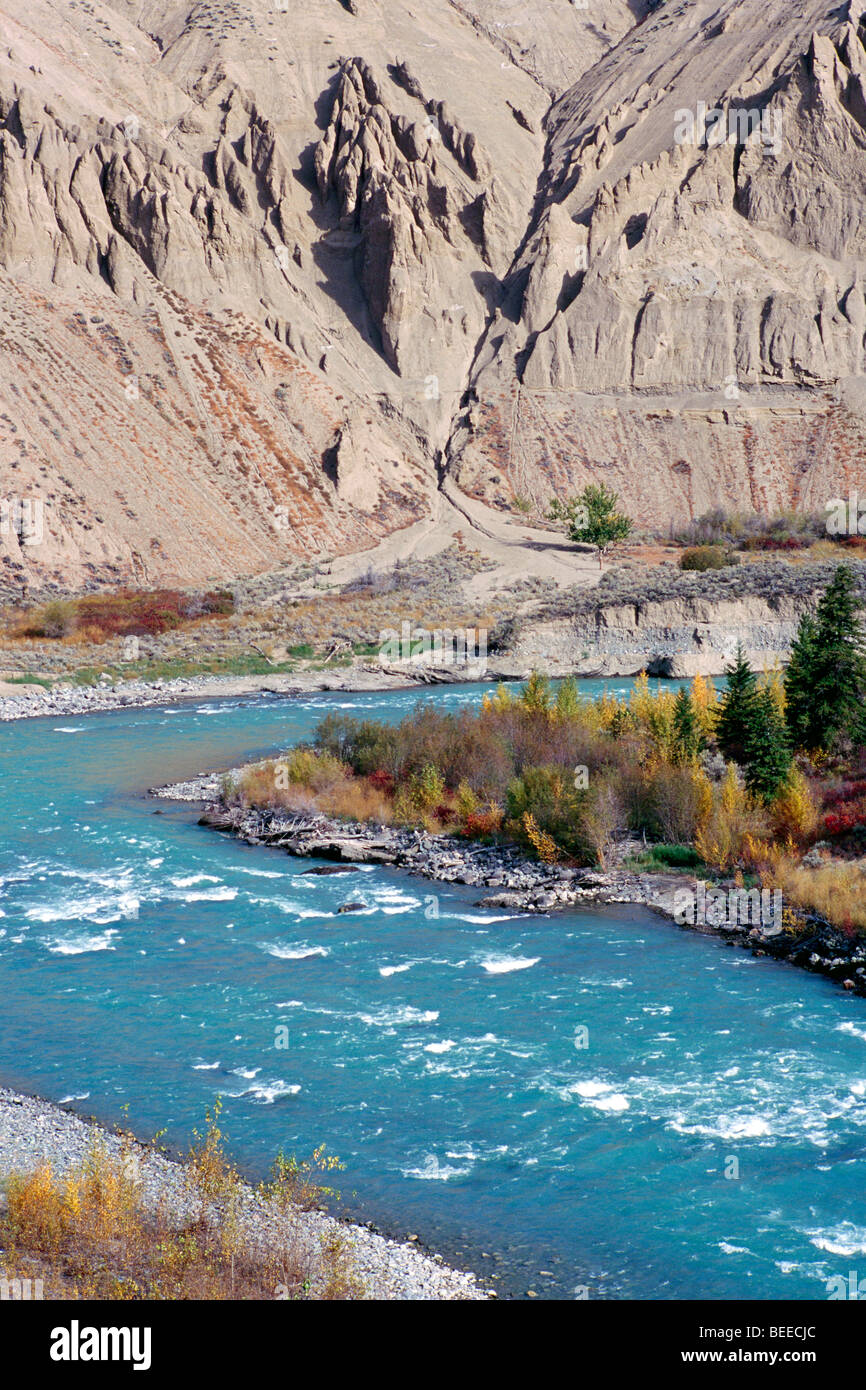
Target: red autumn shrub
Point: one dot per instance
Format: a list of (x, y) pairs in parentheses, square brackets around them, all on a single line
[(382, 781), (845, 818), (126, 613), (849, 791), (480, 823)]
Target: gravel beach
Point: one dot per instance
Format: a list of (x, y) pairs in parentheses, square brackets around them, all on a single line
[(34, 701), (33, 1132)]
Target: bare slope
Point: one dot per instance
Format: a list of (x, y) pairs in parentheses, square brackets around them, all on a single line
[(274, 274), (686, 315)]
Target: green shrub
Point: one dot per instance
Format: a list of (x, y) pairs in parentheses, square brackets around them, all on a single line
[(58, 619), (548, 796), (366, 746), (676, 856), (304, 767), (42, 681), (707, 557), (426, 789)]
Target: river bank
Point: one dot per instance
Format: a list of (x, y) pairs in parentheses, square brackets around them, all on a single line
[(35, 701), (34, 1132), (524, 885)]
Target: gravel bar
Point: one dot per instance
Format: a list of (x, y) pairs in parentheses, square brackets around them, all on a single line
[(34, 701), (33, 1132)]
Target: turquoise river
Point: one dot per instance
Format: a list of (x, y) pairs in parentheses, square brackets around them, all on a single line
[(148, 962)]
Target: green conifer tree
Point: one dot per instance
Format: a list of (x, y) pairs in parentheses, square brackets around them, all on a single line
[(798, 682), (825, 682), (688, 739), (738, 708), (767, 752)]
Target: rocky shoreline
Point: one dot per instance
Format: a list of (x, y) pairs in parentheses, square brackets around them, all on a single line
[(35, 1131), (71, 701), (35, 701), (518, 883)]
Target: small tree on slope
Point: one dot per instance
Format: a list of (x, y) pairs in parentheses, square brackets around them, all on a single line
[(592, 518)]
